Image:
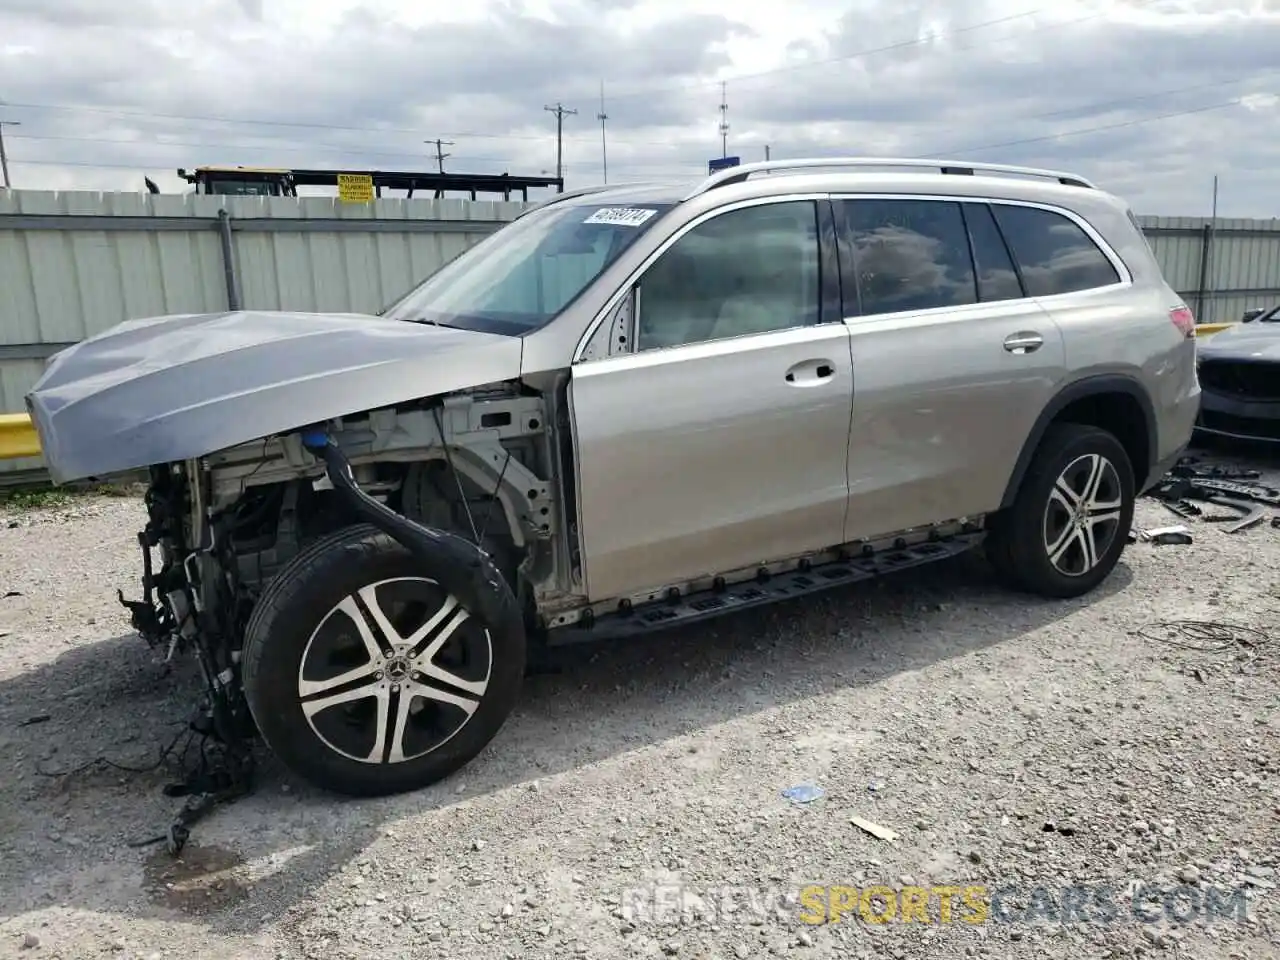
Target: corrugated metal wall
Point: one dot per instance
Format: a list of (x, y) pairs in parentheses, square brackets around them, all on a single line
[(61, 280), (1222, 268)]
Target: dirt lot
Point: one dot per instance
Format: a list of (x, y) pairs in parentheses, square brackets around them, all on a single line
[(1016, 745)]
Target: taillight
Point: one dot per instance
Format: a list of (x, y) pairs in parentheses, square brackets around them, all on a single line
[(1184, 320)]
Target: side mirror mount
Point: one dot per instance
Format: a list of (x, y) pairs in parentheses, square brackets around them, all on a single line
[(622, 328), (1253, 314), (616, 334)]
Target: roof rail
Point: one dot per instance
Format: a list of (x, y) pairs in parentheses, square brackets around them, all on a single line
[(740, 173), (569, 195)]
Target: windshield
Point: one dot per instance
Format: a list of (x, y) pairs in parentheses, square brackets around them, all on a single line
[(525, 274)]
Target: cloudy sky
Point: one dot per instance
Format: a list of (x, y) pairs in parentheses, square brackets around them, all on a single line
[(1150, 97)]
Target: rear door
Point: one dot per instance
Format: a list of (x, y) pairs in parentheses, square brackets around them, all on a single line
[(952, 360)]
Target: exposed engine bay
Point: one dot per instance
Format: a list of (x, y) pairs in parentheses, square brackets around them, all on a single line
[(478, 466)]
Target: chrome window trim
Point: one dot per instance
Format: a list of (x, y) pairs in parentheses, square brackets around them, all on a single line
[(722, 346), (1122, 270), (639, 271)]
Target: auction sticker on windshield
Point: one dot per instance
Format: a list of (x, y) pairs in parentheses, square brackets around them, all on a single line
[(621, 216)]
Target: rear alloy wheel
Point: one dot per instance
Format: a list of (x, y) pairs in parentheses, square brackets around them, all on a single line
[(1068, 525), (368, 677)]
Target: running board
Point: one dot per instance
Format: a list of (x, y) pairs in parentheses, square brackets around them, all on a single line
[(707, 604)]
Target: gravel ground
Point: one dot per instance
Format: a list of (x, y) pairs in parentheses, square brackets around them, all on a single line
[(1013, 744)]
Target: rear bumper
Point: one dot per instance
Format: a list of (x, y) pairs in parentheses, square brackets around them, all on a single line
[(1174, 426)]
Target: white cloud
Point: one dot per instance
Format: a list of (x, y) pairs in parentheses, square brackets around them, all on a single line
[(1149, 97), (1258, 102)]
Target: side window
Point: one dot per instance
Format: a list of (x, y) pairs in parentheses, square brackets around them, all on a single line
[(997, 277), (909, 254), (1053, 253), (747, 271)]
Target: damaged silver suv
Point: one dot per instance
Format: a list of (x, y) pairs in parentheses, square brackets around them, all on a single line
[(631, 408)]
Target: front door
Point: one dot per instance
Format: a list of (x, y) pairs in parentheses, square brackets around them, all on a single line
[(953, 361), (720, 439)]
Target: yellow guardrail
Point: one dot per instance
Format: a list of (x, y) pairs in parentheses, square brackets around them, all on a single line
[(17, 437)]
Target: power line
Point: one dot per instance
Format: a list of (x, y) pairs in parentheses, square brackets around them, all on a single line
[(678, 168), (1095, 129), (350, 150), (283, 149), (1100, 128), (1098, 106), (887, 48), (285, 146), (561, 165), (746, 77)]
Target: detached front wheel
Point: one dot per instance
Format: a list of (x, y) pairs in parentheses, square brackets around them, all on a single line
[(367, 677)]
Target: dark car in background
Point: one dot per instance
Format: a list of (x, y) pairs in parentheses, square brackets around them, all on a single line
[(1261, 313), (1239, 371)]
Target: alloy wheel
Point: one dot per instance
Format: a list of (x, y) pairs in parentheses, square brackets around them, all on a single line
[(394, 671), (1082, 518)]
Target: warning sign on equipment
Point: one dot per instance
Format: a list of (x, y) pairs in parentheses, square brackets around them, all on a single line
[(355, 188)]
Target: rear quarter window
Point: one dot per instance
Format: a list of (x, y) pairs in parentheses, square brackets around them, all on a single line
[(1054, 254), (1142, 234)]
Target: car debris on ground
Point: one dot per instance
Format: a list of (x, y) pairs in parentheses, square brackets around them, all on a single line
[(1193, 487), (1167, 535)]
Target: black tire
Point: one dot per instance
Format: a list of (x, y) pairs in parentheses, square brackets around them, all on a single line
[(1019, 542), (300, 606)]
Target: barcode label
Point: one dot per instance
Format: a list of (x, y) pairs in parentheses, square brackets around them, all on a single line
[(621, 216)]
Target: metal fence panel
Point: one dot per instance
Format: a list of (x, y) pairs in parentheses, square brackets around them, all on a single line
[(1221, 267), (73, 264), (1177, 247)]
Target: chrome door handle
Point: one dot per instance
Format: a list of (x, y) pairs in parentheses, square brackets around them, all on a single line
[(1024, 341)]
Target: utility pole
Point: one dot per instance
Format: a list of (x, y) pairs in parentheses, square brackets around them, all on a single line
[(724, 122), (604, 150), (766, 152), (440, 154), (561, 111), (4, 160)]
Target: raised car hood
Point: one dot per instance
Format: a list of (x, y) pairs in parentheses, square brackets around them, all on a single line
[(172, 388), (1244, 341)]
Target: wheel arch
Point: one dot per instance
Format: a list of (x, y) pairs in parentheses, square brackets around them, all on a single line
[(523, 512), (1114, 402), (497, 474)]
